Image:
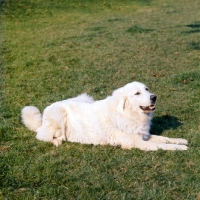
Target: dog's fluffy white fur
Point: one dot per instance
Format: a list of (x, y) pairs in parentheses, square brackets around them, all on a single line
[(123, 118)]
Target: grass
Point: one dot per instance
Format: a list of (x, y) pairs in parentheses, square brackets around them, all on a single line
[(56, 49)]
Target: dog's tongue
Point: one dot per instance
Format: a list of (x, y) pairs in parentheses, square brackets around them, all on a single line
[(152, 107), (148, 108)]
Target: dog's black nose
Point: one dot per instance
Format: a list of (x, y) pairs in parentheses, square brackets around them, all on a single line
[(153, 98)]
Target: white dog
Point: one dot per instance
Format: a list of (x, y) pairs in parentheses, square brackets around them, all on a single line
[(121, 119)]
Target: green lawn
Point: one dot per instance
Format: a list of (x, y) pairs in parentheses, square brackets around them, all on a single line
[(56, 49)]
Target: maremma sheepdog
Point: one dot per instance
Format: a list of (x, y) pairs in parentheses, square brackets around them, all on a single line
[(124, 119)]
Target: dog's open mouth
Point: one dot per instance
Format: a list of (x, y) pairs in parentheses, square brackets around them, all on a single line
[(148, 108)]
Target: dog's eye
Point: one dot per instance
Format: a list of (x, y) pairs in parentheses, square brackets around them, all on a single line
[(138, 93), (147, 89)]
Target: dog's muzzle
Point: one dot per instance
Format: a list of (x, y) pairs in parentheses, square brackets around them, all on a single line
[(152, 107)]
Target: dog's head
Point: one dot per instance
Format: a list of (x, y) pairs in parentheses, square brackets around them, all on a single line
[(136, 96)]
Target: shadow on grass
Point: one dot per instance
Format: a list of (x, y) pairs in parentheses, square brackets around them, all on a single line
[(195, 28), (162, 123), (137, 29), (195, 45), (194, 25)]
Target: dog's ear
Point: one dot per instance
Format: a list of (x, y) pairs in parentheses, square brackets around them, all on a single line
[(122, 104)]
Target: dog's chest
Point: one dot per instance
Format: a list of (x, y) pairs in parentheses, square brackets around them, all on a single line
[(131, 126)]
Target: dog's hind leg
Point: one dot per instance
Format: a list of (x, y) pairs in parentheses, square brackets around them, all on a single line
[(54, 123), (157, 138)]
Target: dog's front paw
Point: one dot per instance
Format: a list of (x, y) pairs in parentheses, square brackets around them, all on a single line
[(56, 142), (181, 141), (182, 147)]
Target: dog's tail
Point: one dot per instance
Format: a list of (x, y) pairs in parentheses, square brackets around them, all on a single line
[(31, 117)]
